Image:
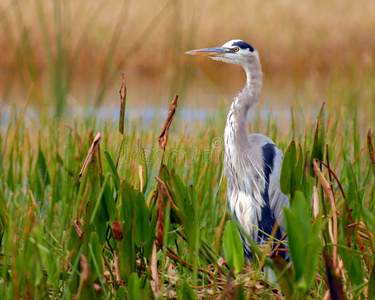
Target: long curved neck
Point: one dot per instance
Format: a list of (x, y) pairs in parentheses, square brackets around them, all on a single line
[(236, 128)]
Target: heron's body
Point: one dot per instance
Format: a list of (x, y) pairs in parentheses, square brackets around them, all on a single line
[(252, 162)]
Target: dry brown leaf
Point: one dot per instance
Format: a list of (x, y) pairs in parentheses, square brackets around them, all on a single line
[(94, 145), (348, 210), (172, 274), (107, 275), (170, 294), (117, 270), (221, 261), (315, 201), (329, 193), (160, 218), (30, 217), (77, 227), (334, 282), (165, 190), (164, 133), (97, 288), (141, 171), (371, 147), (122, 93), (85, 269), (155, 282), (117, 230)]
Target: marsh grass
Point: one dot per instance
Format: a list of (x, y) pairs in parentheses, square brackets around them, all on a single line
[(144, 222), (72, 51)]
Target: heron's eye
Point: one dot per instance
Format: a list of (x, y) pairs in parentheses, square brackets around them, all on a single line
[(236, 49)]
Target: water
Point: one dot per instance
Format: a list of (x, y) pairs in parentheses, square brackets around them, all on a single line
[(144, 116)]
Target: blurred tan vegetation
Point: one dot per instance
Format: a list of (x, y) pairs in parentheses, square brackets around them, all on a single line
[(320, 47)]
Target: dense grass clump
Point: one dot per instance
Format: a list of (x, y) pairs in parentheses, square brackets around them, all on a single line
[(143, 220)]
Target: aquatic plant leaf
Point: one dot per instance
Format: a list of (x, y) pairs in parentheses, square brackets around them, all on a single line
[(141, 221), (371, 285), (296, 243), (300, 211), (187, 292), (133, 286), (233, 249), (313, 248)]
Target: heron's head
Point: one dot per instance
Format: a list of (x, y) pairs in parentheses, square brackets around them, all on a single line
[(232, 52)]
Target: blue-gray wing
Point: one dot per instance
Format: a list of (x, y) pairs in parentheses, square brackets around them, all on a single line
[(272, 162)]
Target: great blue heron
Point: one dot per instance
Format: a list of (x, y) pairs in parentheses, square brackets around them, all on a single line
[(252, 162)]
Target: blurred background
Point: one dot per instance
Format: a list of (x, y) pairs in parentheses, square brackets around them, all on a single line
[(73, 53)]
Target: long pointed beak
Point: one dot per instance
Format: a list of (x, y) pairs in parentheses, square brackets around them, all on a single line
[(217, 51)]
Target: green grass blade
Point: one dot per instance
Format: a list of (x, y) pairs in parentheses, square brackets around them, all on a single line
[(319, 140), (113, 168), (4, 216), (286, 176)]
